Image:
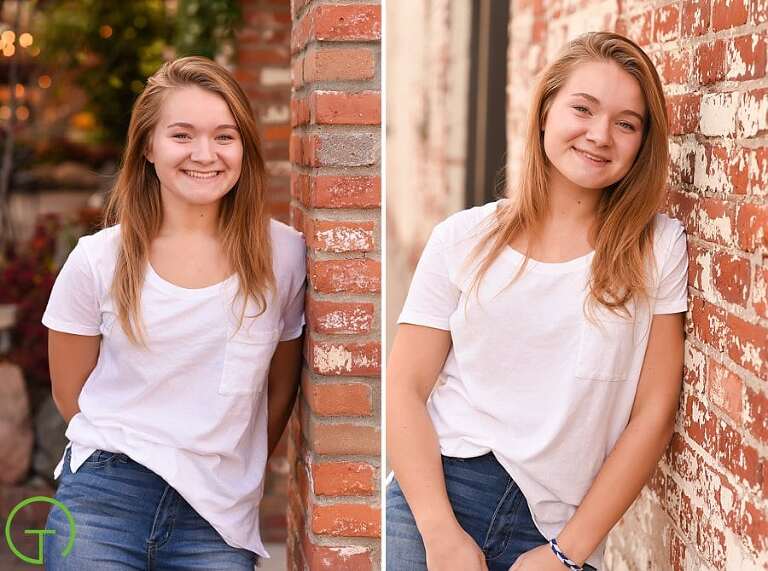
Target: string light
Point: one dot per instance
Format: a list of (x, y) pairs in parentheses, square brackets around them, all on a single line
[(105, 31), (8, 36), (9, 50), (22, 113), (19, 90), (5, 113), (44, 81), (26, 39)]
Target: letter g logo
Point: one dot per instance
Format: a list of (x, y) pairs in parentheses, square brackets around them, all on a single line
[(41, 533)]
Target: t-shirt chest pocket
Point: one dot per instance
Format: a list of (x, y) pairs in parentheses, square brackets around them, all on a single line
[(606, 348), (247, 356)]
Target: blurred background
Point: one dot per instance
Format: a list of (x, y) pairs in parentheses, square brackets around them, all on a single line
[(69, 73)]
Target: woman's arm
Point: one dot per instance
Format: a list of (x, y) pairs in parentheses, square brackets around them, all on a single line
[(282, 386), (71, 359), (637, 452), (417, 357)]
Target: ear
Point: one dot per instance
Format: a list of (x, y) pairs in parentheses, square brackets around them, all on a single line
[(148, 153)]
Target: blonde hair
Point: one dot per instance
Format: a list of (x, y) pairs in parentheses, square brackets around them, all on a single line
[(626, 212), (135, 201)]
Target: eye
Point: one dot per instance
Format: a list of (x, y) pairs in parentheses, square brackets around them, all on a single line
[(181, 136), (226, 138), (628, 126), (581, 109)]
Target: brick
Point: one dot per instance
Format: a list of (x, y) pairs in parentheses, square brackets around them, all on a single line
[(724, 390), (339, 236), (676, 66), (760, 292), (752, 226), (264, 56), (757, 170), (299, 112), (330, 191), (729, 14), (345, 276), (349, 520), (683, 208), (343, 479), (708, 323), (346, 359), (666, 23), (343, 438), (755, 524), (340, 108), (682, 458), (339, 317), (752, 116), (354, 22), (338, 64), (337, 558), (338, 399), (731, 275), (695, 18), (716, 221), (756, 414), (639, 27), (746, 58), (710, 62), (759, 12), (747, 345), (338, 149), (710, 542), (736, 456), (700, 424), (683, 111)]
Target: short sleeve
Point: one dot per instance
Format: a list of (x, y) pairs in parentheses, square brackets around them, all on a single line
[(293, 301), (432, 297), (293, 314), (74, 303), (672, 293)]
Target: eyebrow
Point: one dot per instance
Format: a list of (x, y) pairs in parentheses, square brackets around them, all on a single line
[(594, 99), (190, 126)]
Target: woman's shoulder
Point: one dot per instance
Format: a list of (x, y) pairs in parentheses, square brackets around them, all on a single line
[(667, 230), (466, 225), (101, 244)]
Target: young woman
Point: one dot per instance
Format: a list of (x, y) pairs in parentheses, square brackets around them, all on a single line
[(167, 331), (534, 379)]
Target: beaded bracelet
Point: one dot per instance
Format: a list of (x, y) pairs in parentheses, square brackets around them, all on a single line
[(563, 557)]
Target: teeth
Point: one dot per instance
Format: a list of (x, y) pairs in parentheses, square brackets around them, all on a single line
[(201, 175), (592, 157)]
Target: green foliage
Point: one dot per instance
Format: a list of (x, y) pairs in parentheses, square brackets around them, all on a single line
[(112, 46), (206, 27)]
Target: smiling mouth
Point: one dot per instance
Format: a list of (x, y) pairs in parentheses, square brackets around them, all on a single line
[(202, 175), (593, 158)]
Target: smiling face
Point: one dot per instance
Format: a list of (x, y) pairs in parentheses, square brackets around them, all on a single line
[(593, 129), (196, 147)]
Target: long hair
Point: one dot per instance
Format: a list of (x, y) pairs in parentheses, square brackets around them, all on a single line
[(626, 212), (135, 201)]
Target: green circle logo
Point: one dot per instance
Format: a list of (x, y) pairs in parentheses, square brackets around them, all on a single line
[(41, 533)]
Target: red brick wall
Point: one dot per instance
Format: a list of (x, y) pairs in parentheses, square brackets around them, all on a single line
[(263, 68), (707, 505), (334, 514)]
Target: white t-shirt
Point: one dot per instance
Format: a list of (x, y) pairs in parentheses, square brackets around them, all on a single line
[(192, 407), (528, 377)]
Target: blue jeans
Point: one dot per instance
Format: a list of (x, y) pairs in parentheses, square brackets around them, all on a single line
[(127, 517), (488, 505)]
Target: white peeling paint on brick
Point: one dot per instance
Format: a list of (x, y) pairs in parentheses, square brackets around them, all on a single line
[(734, 64), (712, 176), (752, 115), (704, 260), (346, 552), (357, 320), (346, 239), (750, 355), (758, 174), (331, 359), (711, 228), (718, 114), (696, 362), (760, 291)]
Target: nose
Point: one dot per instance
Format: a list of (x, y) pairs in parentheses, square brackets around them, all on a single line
[(599, 131), (202, 151)]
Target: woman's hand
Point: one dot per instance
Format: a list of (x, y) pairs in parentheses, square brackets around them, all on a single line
[(540, 558), (454, 550)]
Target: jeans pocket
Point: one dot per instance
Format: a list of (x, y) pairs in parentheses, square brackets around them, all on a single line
[(103, 457)]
